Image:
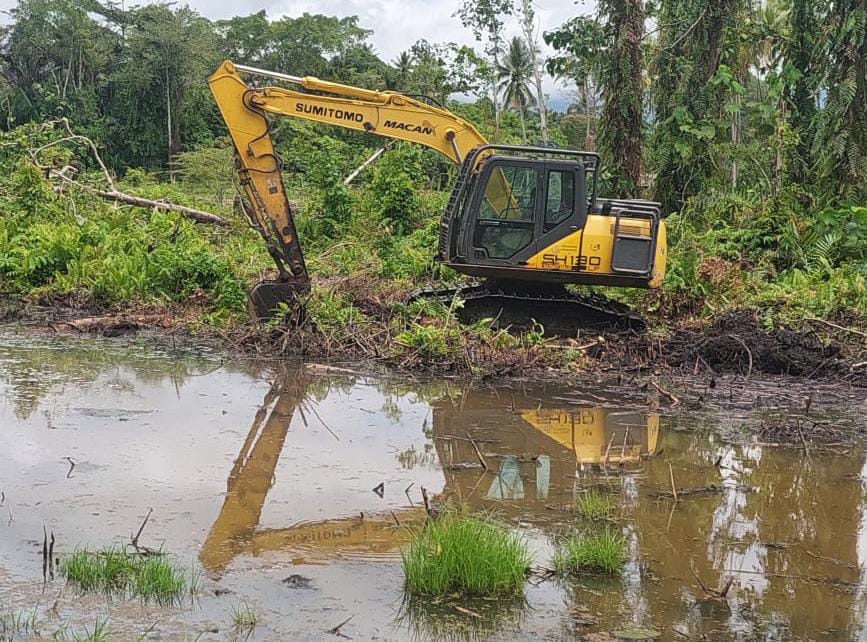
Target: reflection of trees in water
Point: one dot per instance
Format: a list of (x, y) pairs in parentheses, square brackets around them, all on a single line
[(779, 543), (32, 370), (812, 504), (391, 407), (412, 458)]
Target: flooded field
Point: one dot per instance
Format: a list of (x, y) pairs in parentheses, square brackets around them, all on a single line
[(287, 492)]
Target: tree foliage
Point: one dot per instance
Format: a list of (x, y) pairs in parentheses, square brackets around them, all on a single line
[(747, 121)]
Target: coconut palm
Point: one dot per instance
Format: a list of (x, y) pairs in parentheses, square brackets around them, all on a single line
[(514, 77), (403, 65)]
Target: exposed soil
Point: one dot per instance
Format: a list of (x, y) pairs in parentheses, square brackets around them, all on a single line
[(734, 342)]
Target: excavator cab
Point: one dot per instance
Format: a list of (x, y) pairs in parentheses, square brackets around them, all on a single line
[(522, 214)]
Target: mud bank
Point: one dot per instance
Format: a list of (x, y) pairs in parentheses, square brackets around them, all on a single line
[(734, 342)]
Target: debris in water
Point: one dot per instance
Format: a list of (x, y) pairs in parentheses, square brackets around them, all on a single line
[(134, 540), (296, 581), (336, 630), (637, 634), (466, 611), (791, 430)]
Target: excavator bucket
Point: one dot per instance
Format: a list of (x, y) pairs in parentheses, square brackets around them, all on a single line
[(269, 298)]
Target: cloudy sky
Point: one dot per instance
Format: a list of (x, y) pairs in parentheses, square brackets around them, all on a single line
[(396, 24)]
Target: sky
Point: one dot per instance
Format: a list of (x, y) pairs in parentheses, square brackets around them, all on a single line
[(396, 24)]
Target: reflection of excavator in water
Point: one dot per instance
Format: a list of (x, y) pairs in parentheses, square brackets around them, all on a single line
[(526, 219), (534, 458)]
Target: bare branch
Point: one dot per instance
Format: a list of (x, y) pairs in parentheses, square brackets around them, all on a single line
[(112, 194)]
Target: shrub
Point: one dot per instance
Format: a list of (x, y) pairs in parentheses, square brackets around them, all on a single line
[(397, 177)]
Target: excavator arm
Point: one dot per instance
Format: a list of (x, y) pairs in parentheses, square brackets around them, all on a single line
[(245, 110)]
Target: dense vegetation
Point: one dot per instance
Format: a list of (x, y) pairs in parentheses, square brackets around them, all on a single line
[(747, 121)]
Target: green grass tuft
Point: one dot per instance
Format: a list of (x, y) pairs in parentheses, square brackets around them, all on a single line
[(595, 505), (243, 617), (465, 554), (14, 625), (98, 634), (602, 551), (116, 572)]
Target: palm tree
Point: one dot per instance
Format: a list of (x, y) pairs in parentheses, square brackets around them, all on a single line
[(403, 65), (514, 75)]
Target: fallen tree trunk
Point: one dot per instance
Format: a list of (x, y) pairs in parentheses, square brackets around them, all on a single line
[(112, 193), (200, 216)]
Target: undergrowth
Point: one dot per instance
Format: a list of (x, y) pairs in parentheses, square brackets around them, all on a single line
[(368, 246)]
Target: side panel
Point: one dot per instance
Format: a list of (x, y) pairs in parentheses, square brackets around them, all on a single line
[(589, 250)]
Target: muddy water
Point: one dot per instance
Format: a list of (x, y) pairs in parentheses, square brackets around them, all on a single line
[(291, 490)]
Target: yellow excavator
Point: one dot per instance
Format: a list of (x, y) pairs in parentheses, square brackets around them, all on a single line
[(527, 220)]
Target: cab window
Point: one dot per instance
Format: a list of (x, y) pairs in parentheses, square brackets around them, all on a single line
[(560, 201), (507, 213), (510, 194)]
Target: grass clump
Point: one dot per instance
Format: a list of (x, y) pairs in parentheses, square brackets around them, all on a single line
[(116, 572), (99, 633), (13, 625), (595, 505), (597, 551), (471, 555), (243, 617)]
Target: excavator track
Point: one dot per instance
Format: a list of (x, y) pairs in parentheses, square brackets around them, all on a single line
[(561, 313)]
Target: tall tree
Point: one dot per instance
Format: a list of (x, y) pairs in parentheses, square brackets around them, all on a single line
[(485, 18), (801, 56), (402, 66), (167, 53), (54, 59), (529, 27), (246, 39), (514, 75), (841, 142), (693, 37), (579, 43), (620, 127), (608, 48)]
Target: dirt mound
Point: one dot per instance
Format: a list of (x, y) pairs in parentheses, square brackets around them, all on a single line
[(735, 342)]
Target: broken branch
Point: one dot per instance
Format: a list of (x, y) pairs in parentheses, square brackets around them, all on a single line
[(112, 193)]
